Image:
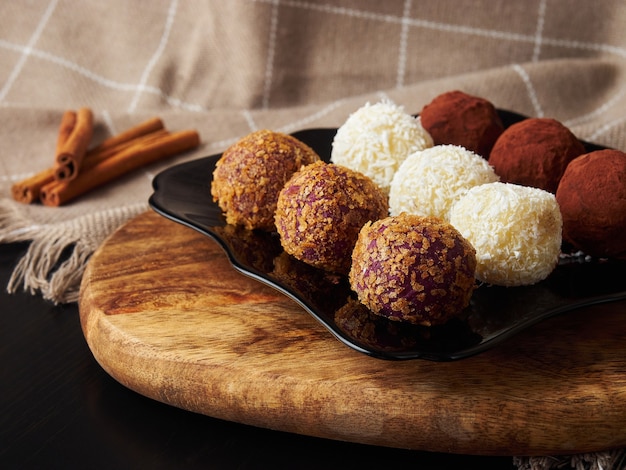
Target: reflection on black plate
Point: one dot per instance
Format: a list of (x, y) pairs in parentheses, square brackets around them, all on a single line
[(182, 193)]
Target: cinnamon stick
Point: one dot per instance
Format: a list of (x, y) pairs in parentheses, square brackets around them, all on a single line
[(67, 171), (71, 153), (68, 122), (132, 157), (147, 127), (101, 152), (27, 190)]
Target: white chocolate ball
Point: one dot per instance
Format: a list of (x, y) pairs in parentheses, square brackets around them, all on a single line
[(516, 231), (376, 139), (430, 181)]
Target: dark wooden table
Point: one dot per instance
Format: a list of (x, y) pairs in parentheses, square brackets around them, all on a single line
[(59, 409)]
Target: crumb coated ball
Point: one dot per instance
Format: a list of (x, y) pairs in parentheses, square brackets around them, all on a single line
[(321, 210), (592, 197), (376, 138), (413, 268), (516, 231), (430, 181), (457, 118), (535, 152), (250, 174)]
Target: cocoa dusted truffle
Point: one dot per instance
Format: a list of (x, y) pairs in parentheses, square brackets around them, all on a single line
[(592, 197), (460, 119), (321, 210), (535, 152), (413, 268), (516, 231), (251, 173)]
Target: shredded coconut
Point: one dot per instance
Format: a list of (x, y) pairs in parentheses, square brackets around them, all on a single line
[(516, 231), (430, 181), (376, 139)]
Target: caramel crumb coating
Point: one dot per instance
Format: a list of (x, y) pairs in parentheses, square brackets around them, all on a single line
[(413, 268), (251, 173), (321, 210)]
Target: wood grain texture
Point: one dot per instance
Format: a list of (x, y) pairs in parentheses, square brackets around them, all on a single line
[(166, 315)]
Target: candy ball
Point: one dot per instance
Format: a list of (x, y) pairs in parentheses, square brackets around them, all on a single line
[(250, 173), (321, 210), (516, 231), (376, 139), (460, 119), (592, 197), (535, 152), (430, 181), (413, 268)]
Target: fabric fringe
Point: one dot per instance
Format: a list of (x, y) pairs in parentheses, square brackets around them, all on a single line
[(607, 460), (57, 256)]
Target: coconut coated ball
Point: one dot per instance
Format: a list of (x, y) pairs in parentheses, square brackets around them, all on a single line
[(592, 197), (250, 174), (413, 268), (321, 210), (430, 181), (516, 231), (535, 152), (458, 118), (376, 138)]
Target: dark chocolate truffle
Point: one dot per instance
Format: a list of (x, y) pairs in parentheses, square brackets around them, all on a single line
[(321, 210), (413, 268), (535, 152), (592, 198), (251, 173), (460, 119)]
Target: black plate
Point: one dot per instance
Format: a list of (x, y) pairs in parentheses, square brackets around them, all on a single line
[(182, 193)]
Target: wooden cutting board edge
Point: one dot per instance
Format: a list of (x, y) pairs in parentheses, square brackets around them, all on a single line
[(541, 393)]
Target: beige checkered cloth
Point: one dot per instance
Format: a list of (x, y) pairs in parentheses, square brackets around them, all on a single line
[(227, 68)]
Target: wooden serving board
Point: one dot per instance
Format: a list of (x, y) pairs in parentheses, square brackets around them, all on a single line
[(166, 315)]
